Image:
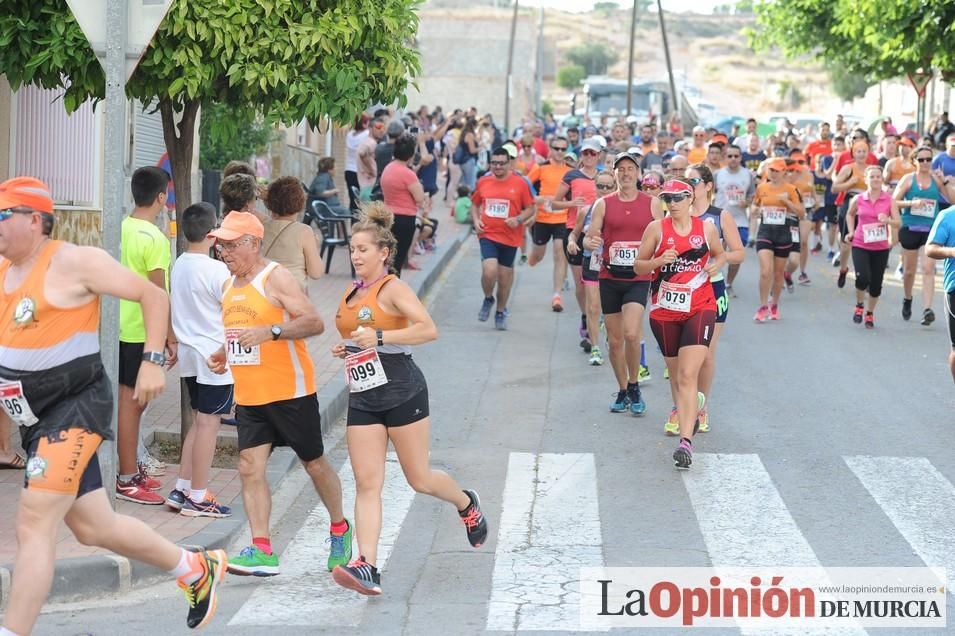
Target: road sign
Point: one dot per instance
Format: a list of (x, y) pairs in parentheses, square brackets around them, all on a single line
[(142, 18), (920, 80)]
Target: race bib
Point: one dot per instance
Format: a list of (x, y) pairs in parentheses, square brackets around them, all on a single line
[(735, 196), (236, 354), (773, 215), (674, 297), (596, 259), (926, 209), (624, 253), (875, 233), (497, 208), (363, 371), (808, 201), (15, 404), (794, 233)]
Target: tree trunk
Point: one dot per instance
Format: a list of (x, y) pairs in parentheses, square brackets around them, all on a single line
[(179, 144)]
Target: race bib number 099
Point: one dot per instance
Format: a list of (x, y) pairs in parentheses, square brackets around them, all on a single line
[(363, 371), (236, 354), (15, 404)]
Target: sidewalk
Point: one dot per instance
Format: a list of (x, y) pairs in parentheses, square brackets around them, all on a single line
[(162, 420)]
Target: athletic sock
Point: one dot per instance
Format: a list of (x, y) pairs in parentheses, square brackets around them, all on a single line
[(184, 485), (189, 568), (339, 528), (643, 353), (197, 496), (687, 440), (127, 478), (262, 543)]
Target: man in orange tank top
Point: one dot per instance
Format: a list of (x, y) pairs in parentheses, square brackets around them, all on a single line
[(54, 386), (267, 317)]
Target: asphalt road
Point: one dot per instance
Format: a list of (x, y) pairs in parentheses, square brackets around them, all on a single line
[(830, 446)]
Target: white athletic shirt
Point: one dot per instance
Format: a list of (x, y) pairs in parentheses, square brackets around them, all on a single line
[(352, 141), (732, 190), (196, 299)]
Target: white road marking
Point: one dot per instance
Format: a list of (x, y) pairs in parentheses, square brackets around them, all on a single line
[(304, 594), (549, 529), (918, 500)]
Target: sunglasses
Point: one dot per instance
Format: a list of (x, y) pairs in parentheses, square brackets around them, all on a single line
[(800, 162), (498, 163), (589, 153), (650, 185), (920, 160), (733, 156), (674, 198), (6, 214), (559, 148), (601, 186), (228, 246), (695, 181)]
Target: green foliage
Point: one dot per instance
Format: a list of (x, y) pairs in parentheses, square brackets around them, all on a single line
[(789, 95), (879, 40), (546, 108), (593, 57), (846, 85), (606, 6), (570, 76), (227, 133)]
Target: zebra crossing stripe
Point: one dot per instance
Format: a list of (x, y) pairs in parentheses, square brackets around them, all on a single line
[(304, 593), (918, 500), (549, 529)]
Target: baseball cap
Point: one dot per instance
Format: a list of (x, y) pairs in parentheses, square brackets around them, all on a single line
[(591, 143), (776, 164), (625, 156), (236, 225), (906, 141), (26, 192), (719, 138), (602, 141), (676, 187), (570, 155), (699, 129), (510, 149), (636, 151), (396, 128)]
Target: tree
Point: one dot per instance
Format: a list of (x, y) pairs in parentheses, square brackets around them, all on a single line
[(846, 85), (594, 57), (606, 7), (287, 59), (570, 76), (225, 135), (879, 40)]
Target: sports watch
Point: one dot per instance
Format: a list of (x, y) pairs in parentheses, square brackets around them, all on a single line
[(380, 335), (155, 357), (276, 332)]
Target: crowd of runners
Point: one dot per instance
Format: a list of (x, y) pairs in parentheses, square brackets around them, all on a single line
[(642, 226)]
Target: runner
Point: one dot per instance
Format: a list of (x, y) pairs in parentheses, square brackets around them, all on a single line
[(578, 189), (918, 194), (502, 204), (827, 212), (606, 184), (550, 223), (616, 229), (798, 174), (56, 390), (267, 317), (380, 318), (682, 252), (941, 246), (867, 228), (735, 187), (848, 182), (903, 164), (778, 203)]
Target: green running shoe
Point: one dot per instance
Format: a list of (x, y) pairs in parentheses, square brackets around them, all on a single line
[(253, 562), (644, 374), (596, 359), (340, 553)]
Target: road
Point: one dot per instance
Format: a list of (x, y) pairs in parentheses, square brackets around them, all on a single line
[(830, 446)]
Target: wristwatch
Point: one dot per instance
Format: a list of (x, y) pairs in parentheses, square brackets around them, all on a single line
[(276, 332), (155, 357), (380, 335)]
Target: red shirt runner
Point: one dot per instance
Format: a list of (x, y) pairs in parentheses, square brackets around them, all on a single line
[(499, 200), (682, 288), (623, 228)]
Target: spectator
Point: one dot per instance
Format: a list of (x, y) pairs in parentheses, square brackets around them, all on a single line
[(352, 141), (367, 168), (239, 192), (462, 206), (323, 189), (287, 241), (403, 195), (467, 153), (384, 150), (8, 457), (941, 130)]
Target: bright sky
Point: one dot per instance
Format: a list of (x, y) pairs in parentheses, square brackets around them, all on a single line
[(698, 6)]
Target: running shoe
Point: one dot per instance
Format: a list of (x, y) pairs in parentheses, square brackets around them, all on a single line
[(857, 314), (586, 345), (201, 593), (774, 312), (836, 259), (906, 308), (762, 314), (208, 508), (702, 416), (485, 312), (928, 317), (789, 282), (804, 279), (152, 466), (751, 243), (831, 256), (595, 358), (730, 291), (175, 499), (621, 404), (500, 321), (841, 282), (643, 375), (135, 490), (473, 519), (683, 455), (585, 342), (666, 373), (869, 320), (359, 576), (898, 272), (817, 249), (637, 405), (672, 426), (555, 304), (149, 483), (340, 552), (523, 259), (253, 562)]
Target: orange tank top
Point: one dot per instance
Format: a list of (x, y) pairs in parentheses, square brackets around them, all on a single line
[(274, 370), (899, 170), (858, 178), (36, 335), (368, 313)]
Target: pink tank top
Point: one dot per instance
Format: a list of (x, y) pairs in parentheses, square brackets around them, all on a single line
[(870, 233)]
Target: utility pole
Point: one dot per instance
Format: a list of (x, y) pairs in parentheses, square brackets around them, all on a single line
[(666, 51), (633, 34), (510, 68), (539, 75)]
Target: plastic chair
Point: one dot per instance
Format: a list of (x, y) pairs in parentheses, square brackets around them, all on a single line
[(334, 229)]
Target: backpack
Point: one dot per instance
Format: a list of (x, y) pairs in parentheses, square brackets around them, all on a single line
[(461, 154)]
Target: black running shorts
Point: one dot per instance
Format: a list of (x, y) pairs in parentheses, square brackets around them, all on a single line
[(295, 423)]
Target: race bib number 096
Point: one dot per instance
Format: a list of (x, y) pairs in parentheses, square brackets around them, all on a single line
[(236, 354), (363, 371), (15, 404)]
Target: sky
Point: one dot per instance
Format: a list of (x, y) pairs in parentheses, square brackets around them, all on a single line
[(699, 6)]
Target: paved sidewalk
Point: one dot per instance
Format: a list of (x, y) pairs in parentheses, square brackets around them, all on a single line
[(162, 416)]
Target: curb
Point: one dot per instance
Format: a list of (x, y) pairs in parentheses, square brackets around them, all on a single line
[(82, 578)]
